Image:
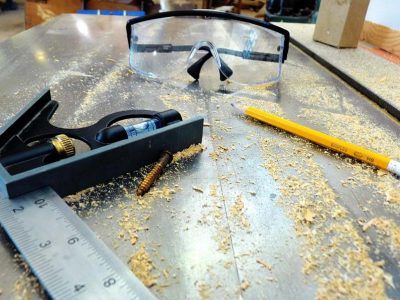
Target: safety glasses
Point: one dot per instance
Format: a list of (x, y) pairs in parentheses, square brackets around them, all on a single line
[(244, 50)]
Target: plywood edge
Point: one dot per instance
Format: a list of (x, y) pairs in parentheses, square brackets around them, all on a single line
[(382, 37)]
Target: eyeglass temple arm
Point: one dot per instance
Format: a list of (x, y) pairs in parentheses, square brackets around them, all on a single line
[(194, 70)]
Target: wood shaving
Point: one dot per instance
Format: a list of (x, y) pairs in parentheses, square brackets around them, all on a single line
[(244, 285), (389, 280), (228, 264), (197, 189), (164, 192), (272, 279), (130, 227), (78, 196), (190, 152), (382, 172), (165, 273), (224, 240), (309, 216), (393, 196), (264, 264), (237, 212), (389, 233), (221, 149), (204, 291), (213, 190), (142, 266)]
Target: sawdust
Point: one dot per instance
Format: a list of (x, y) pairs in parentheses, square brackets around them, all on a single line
[(103, 86), (378, 74), (204, 290), (261, 103), (237, 211), (308, 216), (224, 239), (190, 152), (142, 266), (78, 196), (130, 228), (357, 128), (223, 235), (313, 218), (173, 100), (333, 252), (217, 154), (165, 193), (213, 190), (228, 264), (393, 196), (389, 233), (27, 285)]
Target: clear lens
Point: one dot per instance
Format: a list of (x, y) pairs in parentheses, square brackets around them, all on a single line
[(242, 52)]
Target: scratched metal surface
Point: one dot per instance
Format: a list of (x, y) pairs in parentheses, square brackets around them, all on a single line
[(84, 61)]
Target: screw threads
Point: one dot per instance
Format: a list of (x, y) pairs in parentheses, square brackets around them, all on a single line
[(154, 174)]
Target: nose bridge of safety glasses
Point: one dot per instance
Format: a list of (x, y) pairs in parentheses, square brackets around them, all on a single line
[(194, 69), (207, 46)]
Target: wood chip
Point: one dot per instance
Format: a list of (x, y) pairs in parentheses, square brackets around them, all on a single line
[(204, 291), (309, 216), (393, 196), (389, 279), (264, 264), (244, 285), (197, 189)]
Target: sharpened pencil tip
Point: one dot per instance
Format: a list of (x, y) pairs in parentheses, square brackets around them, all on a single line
[(237, 109)]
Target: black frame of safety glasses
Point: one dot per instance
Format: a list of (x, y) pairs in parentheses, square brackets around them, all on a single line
[(214, 14)]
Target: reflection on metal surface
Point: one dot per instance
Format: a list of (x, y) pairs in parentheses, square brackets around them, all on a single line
[(82, 27), (40, 56)]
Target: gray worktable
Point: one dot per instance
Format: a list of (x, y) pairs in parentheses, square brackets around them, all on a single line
[(255, 238)]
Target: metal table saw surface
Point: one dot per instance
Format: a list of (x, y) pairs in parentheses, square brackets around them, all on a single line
[(258, 214)]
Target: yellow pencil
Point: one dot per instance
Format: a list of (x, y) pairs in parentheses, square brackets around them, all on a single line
[(325, 140)]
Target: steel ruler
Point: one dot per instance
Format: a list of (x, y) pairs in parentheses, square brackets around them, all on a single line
[(63, 252)]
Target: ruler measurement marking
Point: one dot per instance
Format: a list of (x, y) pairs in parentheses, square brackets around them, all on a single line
[(61, 289), (54, 282), (57, 245)]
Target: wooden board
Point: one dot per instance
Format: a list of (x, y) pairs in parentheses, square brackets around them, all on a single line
[(37, 12), (382, 37)]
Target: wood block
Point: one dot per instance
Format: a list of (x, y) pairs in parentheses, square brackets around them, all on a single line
[(37, 12), (340, 22), (111, 5), (381, 36)]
